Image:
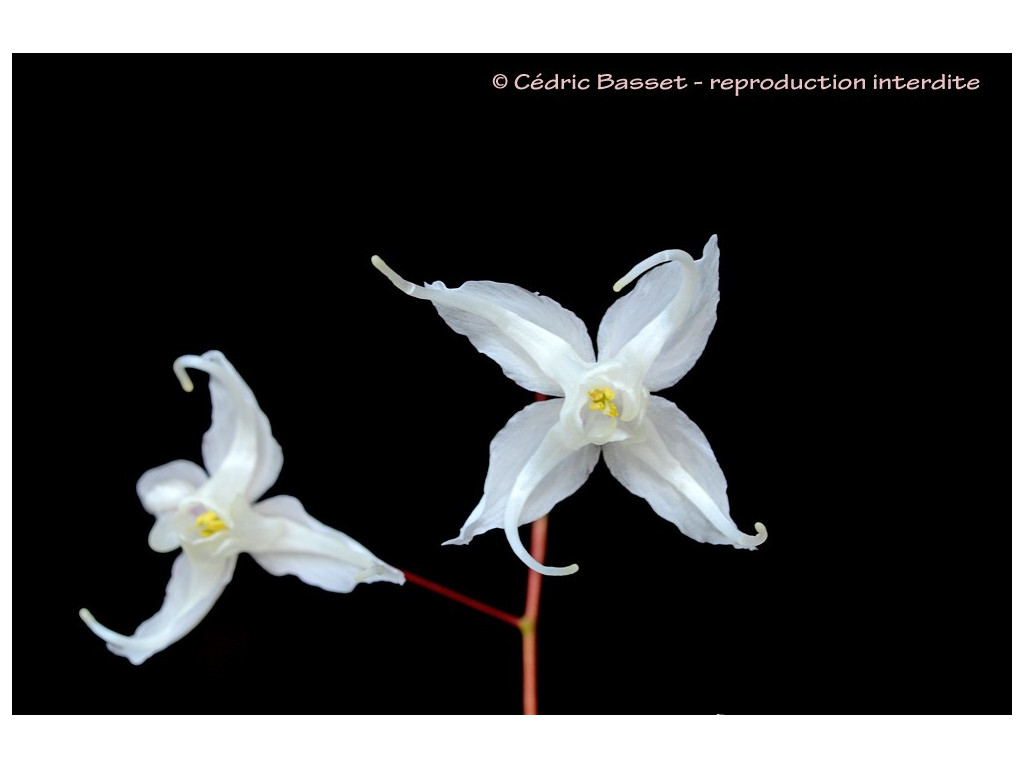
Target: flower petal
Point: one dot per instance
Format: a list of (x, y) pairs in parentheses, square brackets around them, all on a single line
[(539, 344), (239, 450), (674, 468), (531, 469), (285, 539), (663, 324), (161, 490), (194, 587)]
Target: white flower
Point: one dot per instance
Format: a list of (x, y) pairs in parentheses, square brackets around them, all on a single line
[(648, 340), (213, 518)]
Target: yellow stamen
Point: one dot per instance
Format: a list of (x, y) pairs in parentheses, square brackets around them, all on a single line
[(601, 400), (209, 523)]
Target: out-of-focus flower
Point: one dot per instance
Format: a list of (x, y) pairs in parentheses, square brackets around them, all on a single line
[(213, 516), (648, 340)]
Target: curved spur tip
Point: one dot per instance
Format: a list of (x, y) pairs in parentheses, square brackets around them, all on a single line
[(396, 279), (550, 570), (179, 370), (762, 532)]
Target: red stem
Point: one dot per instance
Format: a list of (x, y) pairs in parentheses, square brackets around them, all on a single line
[(458, 597), (528, 624), (538, 546)]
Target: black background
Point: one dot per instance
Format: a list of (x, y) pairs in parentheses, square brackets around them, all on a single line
[(168, 206)]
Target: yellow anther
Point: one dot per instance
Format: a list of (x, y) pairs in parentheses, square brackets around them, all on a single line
[(601, 400), (209, 523)]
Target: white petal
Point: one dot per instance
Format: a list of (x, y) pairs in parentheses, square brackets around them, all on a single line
[(239, 450), (161, 490), (663, 324), (194, 587), (674, 468), (285, 539), (531, 469), (539, 344)]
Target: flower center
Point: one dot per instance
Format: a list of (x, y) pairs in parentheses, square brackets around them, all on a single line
[(601, 400), (209, 523)]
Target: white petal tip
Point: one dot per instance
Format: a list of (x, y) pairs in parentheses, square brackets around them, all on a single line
[(512, 534), (98, 629), (182, 374), (762, 533), (381, 572), (548, 570), (643, 266), (113, 638), (397, 280)]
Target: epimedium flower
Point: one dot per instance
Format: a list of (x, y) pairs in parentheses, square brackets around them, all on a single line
[(647, 341), (213, 516)]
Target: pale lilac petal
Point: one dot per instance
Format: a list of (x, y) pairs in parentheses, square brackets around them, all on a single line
[(640, 325), (538, 343), (161, 490), (194, 587), (239, 450), (531, 469), (674, 468), (285, 539)]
